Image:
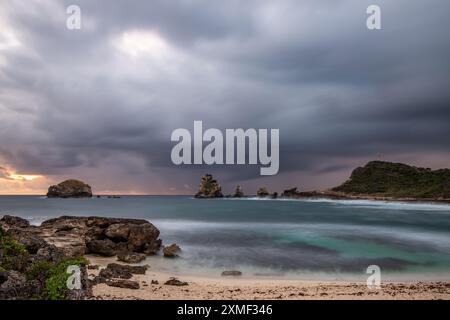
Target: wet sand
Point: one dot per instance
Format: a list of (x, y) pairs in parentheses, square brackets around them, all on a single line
[(239, 288)]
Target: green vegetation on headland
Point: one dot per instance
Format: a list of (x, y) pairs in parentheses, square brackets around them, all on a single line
[(397, 180), (377, 180)]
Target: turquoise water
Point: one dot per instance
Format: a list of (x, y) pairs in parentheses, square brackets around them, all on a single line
[(277, 238)]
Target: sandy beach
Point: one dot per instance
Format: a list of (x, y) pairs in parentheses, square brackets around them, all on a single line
[(237, 288)]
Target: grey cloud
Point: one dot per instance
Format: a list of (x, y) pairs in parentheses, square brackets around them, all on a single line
[(69, 101)]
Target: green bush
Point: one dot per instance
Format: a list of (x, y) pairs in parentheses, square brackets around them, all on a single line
[(39, 270), (56, 283), (14, 254), (2, 232)]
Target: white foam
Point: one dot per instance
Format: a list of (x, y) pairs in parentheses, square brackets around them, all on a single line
[(367, 204)]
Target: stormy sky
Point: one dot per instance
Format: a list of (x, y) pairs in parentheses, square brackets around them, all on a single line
[(100, 103)]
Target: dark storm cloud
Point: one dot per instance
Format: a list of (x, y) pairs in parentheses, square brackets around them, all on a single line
[(87, 100)]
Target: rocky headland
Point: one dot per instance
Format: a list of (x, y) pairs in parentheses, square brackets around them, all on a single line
[(377, 180), (387, 181)]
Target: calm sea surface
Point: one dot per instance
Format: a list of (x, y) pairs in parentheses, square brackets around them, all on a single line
[(307, 239)]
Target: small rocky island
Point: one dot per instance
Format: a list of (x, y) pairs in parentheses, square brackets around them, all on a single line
[(70, 189), (209, 188), (238, 193)]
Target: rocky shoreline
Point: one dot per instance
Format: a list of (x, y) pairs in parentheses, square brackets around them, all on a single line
[(377, 181), (34, 259)]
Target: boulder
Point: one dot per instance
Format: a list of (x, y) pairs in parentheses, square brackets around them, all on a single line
[(126, 284), (12, 221), (104, 247), (141, 236), (209, 188), (50, 253), (175, 282), (32, 242), (99, 235), (153, 247), (115, 270), (238, 193), (70, 189), (131, 257), (118, 231), (171, 251)]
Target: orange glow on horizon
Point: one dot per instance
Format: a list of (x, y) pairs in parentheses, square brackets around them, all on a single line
[(24, 177)]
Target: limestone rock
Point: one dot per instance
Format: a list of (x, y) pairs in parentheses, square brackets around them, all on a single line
[(126, 284), (209, 188), (238, 193), (99, 235), (70, 189), (104, 247), (262, 192), (175, 282), (131, 257), (15, 221), (171, 251), (115, 270), (289, 193)]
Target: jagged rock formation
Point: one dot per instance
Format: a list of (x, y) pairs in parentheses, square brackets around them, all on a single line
[(397, 180), (262, 192), (292, 192), (29, 255), (171, 251), (238, 193), (70, 189), (77, 236), (32, 268), (209, 188)]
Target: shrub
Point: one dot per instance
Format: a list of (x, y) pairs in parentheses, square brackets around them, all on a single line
[(56, 283), (39, 270), (14, 254)]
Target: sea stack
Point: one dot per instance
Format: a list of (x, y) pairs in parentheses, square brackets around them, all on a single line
[(262, 192), (238, 193), (209, 188), (70, 189)]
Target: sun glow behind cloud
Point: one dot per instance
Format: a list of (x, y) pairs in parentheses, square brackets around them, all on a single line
[(143, 43), (24, 177)]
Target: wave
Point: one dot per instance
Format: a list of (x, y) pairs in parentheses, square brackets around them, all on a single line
[(392, 205), (367, 204), (36, 220)]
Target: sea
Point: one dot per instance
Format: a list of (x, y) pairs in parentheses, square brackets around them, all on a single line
[(314, 239)]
